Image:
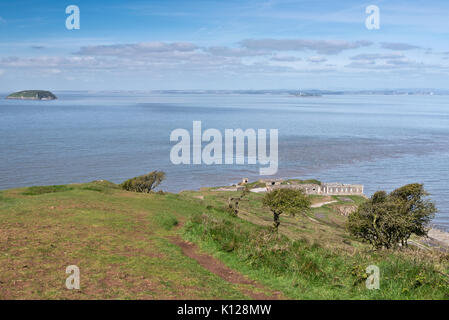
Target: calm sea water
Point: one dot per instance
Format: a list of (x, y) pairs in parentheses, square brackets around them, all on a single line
[(382, 142)]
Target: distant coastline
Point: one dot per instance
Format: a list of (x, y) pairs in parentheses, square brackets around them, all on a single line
[(293, 92)]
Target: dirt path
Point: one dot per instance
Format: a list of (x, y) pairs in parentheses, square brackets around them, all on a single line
[(217, 267), (320, 204)]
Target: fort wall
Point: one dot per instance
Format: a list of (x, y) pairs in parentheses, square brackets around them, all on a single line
[(323, 189)]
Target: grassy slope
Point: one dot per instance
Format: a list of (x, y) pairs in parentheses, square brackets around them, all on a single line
[(121, 242), (325, 263)]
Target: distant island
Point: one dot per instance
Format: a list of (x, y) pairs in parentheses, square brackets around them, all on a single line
[(32, 95)]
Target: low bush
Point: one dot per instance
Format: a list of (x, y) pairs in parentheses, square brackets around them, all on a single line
[(145, 183)]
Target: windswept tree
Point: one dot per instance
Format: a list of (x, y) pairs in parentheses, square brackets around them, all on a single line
[(145, 183), (387, 220), (285, 201)]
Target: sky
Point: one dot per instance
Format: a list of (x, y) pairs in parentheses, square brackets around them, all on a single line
[(226, 44)]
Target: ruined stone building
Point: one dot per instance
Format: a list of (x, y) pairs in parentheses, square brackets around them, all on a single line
[(323, 189)]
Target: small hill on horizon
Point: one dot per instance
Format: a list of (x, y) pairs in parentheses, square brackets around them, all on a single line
[(32, 95)]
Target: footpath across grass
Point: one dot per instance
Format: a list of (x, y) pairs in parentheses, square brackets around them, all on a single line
[(123, 244), (302, 270)]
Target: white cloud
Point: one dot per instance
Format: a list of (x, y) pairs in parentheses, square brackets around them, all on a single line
[(377, 56), (184, 61), (285, 58), (235, 52), (48, 62), (143, 48), (316, 59), (397, 64), (320, 46), (398, 46)]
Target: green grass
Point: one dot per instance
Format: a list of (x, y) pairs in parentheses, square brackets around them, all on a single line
[(32, 191), (123, 243), (165, 220), (256, 184), (120, 241), (307, 271), (298, 181)]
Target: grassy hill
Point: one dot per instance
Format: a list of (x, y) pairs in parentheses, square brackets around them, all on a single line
[(186, 246)]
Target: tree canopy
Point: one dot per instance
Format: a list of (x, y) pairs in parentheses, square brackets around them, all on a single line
[(285, 201), (387, 220)]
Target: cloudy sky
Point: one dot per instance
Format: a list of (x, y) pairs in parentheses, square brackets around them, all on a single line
[(223, 44)]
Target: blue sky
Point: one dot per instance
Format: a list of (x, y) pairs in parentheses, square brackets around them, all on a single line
[(271, 44)]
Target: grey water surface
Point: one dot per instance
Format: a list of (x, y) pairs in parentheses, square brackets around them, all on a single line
[(380, 141)]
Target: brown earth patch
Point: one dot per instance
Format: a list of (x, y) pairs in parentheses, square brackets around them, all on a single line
[(219, 268)]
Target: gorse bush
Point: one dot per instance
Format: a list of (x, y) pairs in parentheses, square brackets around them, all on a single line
[(145, 183), (387, 220)]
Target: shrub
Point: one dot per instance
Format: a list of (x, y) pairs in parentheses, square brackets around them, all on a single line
[(145, 183), (233, 206), (285, 201), (386, 220)]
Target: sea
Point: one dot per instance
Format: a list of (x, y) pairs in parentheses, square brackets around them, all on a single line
[(380, 141)]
